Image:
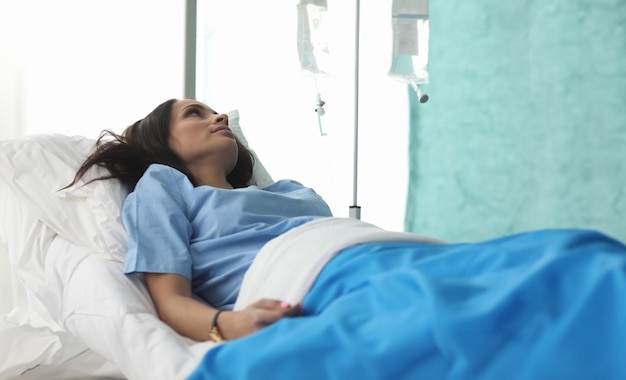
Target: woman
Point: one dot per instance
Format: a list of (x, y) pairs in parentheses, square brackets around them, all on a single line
[(194, 223), (535, 305)]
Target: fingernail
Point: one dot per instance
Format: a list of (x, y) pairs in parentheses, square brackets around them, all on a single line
[(285, 305)]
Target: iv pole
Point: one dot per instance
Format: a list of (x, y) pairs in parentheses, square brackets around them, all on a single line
[(355, 209), (191, 17)]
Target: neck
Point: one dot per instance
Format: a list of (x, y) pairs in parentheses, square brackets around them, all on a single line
[(221, 183), (211, 177)]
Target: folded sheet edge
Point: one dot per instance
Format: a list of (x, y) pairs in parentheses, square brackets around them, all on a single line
[(287, 266)]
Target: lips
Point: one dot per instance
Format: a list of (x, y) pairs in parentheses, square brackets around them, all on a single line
[(221, 128), (224, 129)]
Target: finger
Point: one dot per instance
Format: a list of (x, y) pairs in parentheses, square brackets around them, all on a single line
[(290, 310), (267, 303), (268, 316), (293, 310)]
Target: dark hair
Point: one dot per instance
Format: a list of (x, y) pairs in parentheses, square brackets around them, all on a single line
[(128, 156)]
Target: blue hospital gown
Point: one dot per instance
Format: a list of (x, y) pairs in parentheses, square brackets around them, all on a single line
[(207, 234)]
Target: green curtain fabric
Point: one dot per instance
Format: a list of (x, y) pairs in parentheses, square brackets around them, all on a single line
[(526, 123)]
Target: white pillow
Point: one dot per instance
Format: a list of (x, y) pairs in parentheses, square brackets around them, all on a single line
[(260, 176)]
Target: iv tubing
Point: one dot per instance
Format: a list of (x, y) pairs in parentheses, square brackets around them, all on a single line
[(354, 209), (421, 97), (319, 107)]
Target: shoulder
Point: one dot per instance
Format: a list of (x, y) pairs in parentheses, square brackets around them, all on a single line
[(158, 175), (161, 182), (284, 185), (162, 173), (291, 188)]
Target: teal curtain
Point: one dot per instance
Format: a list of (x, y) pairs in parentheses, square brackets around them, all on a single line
[(526, 123)]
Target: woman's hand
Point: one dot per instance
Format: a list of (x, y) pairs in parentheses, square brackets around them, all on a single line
[(236, 324), (172, 297)]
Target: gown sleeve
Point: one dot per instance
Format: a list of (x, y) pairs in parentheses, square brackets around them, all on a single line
[(156, 218)]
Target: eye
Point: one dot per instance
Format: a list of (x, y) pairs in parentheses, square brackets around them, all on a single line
[(193, 111)]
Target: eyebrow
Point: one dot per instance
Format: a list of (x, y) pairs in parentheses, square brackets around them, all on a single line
[(199, 105)]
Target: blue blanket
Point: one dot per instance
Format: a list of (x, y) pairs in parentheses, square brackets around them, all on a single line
[(538, 305)]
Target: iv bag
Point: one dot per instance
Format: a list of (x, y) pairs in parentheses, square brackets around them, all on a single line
[(409, 61), (313, 36)]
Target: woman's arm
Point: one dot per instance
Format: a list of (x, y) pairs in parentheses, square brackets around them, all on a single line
[(172, 296)]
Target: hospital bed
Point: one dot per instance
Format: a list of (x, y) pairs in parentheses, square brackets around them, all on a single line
[(69, 312)]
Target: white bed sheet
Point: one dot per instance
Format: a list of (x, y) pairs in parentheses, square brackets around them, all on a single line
[(113, 315), (33, 345)]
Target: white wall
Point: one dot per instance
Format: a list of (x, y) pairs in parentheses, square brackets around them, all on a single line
[(248, 60), (78, 67)]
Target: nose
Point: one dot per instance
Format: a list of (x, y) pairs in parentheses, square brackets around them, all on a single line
[(221, 118)]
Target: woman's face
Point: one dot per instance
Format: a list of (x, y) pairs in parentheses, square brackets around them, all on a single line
[(201, 136)]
